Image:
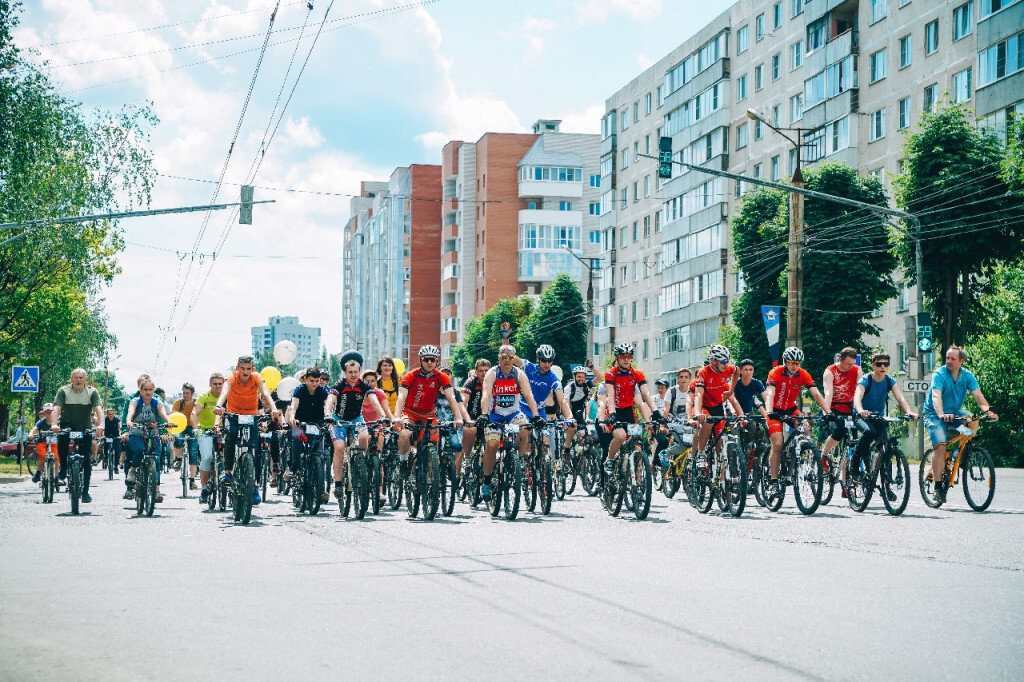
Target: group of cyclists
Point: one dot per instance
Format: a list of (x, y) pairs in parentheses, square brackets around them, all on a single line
[(515, 396)]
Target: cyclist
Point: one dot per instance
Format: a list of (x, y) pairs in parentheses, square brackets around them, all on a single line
[(750, 394), (872, 397), (144, 416), (346, 401), (185, 405), (505, 387), (43, 424), (129, 485), (840, 381), (546, 388), (712, 390), (77, 407), (472, 391), (944, 403), (677, 398), (417, 399), (307, 405), (325, 379), (782, 395), (577, 399), (203, 420), (242, 393), (369, 414), (660, 441), (388, 380), (111, 429), (623, 380)]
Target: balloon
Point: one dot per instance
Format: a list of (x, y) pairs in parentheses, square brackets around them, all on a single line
[(557, 371), (286, 388), (298, 375), (285, 352), (178, 421), (399, 367), (272, 376)]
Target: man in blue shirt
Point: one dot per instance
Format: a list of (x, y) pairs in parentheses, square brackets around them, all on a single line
[(871, 397), (545, 384), (944, 403)]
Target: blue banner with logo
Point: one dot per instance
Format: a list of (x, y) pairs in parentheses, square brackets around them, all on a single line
[(771, 315)]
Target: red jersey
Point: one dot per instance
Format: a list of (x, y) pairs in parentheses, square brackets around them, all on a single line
[(423, 390), (787, 386), (625, 384), (692, 388), (843, 386), (715, 384)]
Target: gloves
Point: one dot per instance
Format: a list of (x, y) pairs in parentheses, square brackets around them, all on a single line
[(656, 416), (539, 422)]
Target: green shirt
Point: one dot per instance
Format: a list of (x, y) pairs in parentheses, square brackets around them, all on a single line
[(76, 407), (206, 403)]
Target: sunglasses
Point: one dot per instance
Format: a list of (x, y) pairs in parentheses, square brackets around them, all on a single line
[(505, 357), (628, 357), (881, 364), (429, 359)]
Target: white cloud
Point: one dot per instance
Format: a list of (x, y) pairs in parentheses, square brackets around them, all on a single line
[(644, 62), (601, 10), (535, 32), (586, 121), (301, 134)]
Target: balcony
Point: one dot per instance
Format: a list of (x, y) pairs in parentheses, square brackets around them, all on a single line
[(840, 47), (548, 217), (846, 102), (551, 188)]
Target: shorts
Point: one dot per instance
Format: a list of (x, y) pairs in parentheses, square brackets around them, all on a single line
[(205, 444), (349, 431), (938, 430), (193, 445), (625, 415), (494, 428), (774, 425), (715, 411), (836, 425)]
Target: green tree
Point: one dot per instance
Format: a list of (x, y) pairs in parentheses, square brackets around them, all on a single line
[(847, 265), (483, 333), (951, 181), (1013, 157), (560, 320)]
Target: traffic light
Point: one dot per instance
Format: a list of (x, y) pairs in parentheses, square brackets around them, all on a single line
[(665, 158), (245, 210), (924, 332)]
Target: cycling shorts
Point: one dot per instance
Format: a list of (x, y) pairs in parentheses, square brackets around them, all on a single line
[(774, 425), (837, 428), (494, 428), (625, 415), (715, 411)]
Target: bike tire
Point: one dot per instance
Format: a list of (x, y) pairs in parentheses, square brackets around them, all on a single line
[(449, 487), (530, 483), (211, 501), (736, 478), (860, 485), (545, 486), (110, 462), (75, 487), (374, 479), (828, 486), (807, 483), (140, 490), (150, 488), (314, 488), (184, 473), (894, 475), (360, 484), (512, 486), (497, 486), (641, 483), (413, 487), (614, 490), (590, 472), (764, 480), (924, 479), (431, 483), (670, 486), (49, 482), (975, 465), (393, 483), (264, 474)]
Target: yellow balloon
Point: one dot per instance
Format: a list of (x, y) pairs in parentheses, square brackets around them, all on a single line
[(271, 375), (178, 423), (399, 367)]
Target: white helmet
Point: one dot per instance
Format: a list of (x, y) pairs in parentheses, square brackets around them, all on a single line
[(719, 352), (545, 352), (624, 348), (792, 354), (429, 352)]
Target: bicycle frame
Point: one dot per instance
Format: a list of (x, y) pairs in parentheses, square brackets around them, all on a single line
[(959, 444)]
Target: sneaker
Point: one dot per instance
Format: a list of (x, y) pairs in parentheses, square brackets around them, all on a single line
[(86, 497), (339, 492), (609, 467), (62, 475), (485, 491), (276, 469), (846, 491), (192, 484), (256, 499), (129, 494), (940, 493), (774, 489), (325, 497), (227, 479), (177, 465), (204, 497), (131, 477), (890, 495), (36, 476)]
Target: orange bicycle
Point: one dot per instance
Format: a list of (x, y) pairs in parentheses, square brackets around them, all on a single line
[(965, 460)]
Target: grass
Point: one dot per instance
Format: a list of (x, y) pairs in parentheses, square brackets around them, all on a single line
[(9, 465)]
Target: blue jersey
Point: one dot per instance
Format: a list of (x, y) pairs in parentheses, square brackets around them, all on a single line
[(876, 393), (745, 394), (542, 384), (953, 392)]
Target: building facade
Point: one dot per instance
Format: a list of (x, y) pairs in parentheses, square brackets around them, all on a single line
[(306, 339)]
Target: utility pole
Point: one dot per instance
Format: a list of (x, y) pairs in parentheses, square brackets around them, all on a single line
[(590, 302)]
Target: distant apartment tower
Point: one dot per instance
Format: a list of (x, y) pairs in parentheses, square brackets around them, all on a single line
[(392, 264), (277, 329), (515, 206)]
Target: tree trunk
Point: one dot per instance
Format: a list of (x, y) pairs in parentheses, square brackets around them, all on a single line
[(5, 420)]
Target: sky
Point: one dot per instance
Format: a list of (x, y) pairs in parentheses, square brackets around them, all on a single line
[(387, 84)]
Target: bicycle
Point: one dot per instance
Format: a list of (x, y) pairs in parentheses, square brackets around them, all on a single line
[(307, 481), (966, 456), (146, 477), (244, 473), (218, 498), (374, 462), (392, 472), (887, 470), (832, 464), (187, 441), (800, 467), (675, 457), (559, 467), (724, 473), (285, 456), (473, 473), (76, 465), (449, 479), (264, 473), (109, 457), (507, 476), (587, 456), (48, 478), (423, 485), (537, 474), (356, 495), (631, 475)]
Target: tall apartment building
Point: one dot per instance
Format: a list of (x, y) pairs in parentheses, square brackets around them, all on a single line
[(393, 290), (513, 205), (306, 339), (852, 74)]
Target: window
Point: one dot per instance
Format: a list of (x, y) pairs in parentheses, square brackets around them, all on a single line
[(623, 199), (1002, 59), (622, 314), (625, 159), (741, 136), (647, 230), (636, 110), (742, 39), (757, 129), (796, 108), (797, 7), (816, 32), (791, 165), (595, 236), (906, 50), (757, 170), (624, 117), (636, 198), (680, 74), (796, 54), (595, 180), (647, 308), (828, 140), (648, 103), (930, 94), (647, 185), (963, 21), (741, 88), (777, 15), (564, 205), (594, 209), (758, 77), (776, 66), (661, 95), (878, 60), (904, 113), (990, 6), (878, 10), (962, 86), (931, 37), (646, 348), (759, 27), (777, 115), (634, 310), (878, 125), (775, 168), (835, 79)]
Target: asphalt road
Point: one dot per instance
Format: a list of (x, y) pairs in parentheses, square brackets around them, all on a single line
[(188, 595)]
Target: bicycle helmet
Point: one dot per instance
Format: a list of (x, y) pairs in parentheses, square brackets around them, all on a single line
[(429, 352), (719, 352), (792, 354), (545, 352), (578, 369), (624, 348)]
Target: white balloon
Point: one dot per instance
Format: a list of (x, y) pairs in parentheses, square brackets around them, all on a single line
[(285, 352), (286, 387), (557, 371)]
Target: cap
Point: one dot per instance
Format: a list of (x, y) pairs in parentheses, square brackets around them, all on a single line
[(48, 407), (661, 382)]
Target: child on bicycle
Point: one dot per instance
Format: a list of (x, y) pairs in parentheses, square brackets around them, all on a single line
[(141, 422)]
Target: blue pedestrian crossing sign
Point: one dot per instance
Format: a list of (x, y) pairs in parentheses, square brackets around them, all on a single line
[(24, 379)]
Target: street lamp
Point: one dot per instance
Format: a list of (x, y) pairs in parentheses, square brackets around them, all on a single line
[(794, 314), (590, 301)]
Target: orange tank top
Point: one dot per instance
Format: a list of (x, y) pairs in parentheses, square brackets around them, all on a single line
[(244, 398)]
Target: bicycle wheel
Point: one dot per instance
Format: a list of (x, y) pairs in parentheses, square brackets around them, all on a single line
[(979, 477), (140, 490), (345, 501), (590, 471), (924, 479), (703, 495), (360, 484), (612, 491), (449, 486), (111, 464), (245, 484), (894, 477), (558, 477), (264, 473), (736, 478), (431, 483), (150, 491), (393, 482), (49, 482), (719, 486), (413, 486), (641, 483), (184, 472), (497, 485), (545, 485), (75, 484), (512, 486), (764, 482), (374, 479), (860, 484), (314, 486), (807, 473), (529, 482), (829, 476)]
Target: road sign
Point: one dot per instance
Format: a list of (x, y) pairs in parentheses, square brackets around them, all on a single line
[(24, 379), (916, 385)]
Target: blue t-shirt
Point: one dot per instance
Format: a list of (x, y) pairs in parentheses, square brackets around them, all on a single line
[(876, 393), (745, 394), (541, 384), (953, 392)]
